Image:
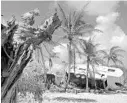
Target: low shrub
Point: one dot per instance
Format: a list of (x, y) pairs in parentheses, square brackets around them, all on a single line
[(32, 81)]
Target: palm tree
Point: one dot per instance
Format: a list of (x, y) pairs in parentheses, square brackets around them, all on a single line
[(113, 55), (17, 48), (92, 56), (40, 57), (95, 61), (74, 26)]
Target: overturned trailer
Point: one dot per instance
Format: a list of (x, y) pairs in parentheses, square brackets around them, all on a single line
[(111, 76)]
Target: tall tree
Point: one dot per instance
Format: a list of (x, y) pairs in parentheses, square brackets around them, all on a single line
[(89, 49), (96, 60), (18, 43), (74, 26), (41, 58)]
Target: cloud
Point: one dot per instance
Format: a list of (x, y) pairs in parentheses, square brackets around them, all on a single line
[(112, 35), (61, 52), (119, 39), (95, 7), (107, 21), (107, 25)]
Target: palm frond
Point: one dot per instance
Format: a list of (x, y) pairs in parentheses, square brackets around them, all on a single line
[(114, 48), (74, 14), (78, 17), (63, 38), (65, 29), (119, 50), (47, 49), (88, 2), (106, 57), (64, 18), (70, 19), (102, 52), (76, 47), (83, 26), (90, 30), (96, 60), (116, 54), (77, 22), (83, 44), (118, 61)]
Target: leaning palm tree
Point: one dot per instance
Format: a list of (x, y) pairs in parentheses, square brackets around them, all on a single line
[(18, 43), (113, 55), (74, 26)]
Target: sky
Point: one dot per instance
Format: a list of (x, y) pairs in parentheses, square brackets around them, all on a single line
[(108, 16)]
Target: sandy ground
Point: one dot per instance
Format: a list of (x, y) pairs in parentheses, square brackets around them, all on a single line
[(84, 98)]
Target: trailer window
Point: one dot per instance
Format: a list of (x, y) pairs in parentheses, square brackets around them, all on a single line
[(111, 70)]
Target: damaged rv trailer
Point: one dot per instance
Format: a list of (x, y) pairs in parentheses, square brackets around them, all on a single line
[(112, 75)]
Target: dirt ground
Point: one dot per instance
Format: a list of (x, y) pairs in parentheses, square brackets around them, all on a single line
[(84, 98)]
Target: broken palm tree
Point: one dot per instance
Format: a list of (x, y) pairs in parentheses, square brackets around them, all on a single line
[(18, 42)]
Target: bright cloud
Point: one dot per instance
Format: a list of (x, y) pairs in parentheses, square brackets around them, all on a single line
[(107, 25), (120, 41), (107, 21), (112, 33), (61, 52), (117, 39)]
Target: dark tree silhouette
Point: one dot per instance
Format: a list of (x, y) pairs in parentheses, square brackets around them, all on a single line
[(17, 45)]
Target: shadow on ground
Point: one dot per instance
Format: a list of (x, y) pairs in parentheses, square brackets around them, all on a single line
[(74, 99)]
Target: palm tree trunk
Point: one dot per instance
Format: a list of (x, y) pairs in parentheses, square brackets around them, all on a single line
[(69, 65), (108, 62), (43, 62), (8, 91), (88, 62), (103, 80), (94, 77), (74, 60)]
